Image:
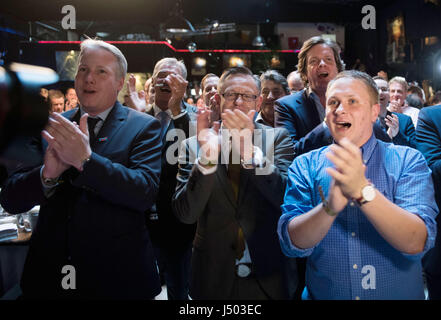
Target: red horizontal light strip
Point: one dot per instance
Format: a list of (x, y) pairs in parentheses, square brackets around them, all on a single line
[(177, 50)]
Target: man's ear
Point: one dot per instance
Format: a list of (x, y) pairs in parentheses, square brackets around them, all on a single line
[(121, 83), (258, 103), (375, 111)]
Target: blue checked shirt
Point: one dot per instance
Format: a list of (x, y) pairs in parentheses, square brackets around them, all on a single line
[(353, 261)]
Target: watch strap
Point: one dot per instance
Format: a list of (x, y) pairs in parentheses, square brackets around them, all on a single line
[(361, 200)]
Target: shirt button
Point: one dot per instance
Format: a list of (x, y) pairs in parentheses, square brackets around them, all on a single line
[(355, 266), (351, 203), (353, 234), (357, 298)]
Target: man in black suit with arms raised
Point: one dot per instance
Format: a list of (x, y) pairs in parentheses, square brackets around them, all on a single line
[(171, 238)]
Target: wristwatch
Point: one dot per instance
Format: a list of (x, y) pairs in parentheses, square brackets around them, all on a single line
[(367, 195), (83, 163)]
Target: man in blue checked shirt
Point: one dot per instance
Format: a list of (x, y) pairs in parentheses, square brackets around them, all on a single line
[(362, 211)]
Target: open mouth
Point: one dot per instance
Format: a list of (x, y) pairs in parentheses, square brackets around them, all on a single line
[(323, 74), (344, 125), (163, 87), (89, 91)]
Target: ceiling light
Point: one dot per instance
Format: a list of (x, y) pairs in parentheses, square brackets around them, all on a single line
[(102, 34), (258, 40), (177, 23)]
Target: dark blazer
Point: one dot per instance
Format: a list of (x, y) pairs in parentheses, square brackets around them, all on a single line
[(209, 200), (406, 131), (297, 113), (428, 137), (95, 219), (167, 229)]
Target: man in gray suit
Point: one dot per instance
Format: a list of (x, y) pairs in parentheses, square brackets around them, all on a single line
[(235, 197)]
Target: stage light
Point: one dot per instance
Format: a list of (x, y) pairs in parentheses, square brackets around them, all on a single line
[(200, 62)]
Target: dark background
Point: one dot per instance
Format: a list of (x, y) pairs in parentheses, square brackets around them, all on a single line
[(20, 31)]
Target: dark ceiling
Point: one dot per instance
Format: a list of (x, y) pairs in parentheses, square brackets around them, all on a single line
[(130, 14), (156, 11)]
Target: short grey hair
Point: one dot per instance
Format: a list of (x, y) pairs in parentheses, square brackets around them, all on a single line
[(273, 75), (170, 62), (205, 78), (361, 76), (93, 43), (400, 80), (244, 71)]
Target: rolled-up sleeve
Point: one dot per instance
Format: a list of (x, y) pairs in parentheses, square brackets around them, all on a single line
[(415, 194)]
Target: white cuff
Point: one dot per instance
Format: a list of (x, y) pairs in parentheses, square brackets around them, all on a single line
[(257, 161), (206, 171), (179, 115), (45, 185)]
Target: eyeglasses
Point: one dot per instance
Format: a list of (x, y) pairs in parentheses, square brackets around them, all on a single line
[(232, 96)]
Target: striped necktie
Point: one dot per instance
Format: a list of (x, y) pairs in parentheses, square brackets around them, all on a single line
[(91, 123)]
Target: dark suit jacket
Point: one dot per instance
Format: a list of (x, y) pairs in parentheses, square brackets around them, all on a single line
[(209, 200), (95, 220), (167, 229), (428, 137), (296, 113), (406, 131)]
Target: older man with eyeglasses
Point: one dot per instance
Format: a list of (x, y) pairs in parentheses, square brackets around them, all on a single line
[(233, 189)]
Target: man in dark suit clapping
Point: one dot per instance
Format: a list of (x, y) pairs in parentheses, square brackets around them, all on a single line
[(100, 174)]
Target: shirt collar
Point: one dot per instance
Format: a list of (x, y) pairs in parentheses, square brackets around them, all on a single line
[(320, 109), (368, 148), (157, 110), (103, 115), (260, 119)]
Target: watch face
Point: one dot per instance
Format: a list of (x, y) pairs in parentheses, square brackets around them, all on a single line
[(368, 193)]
